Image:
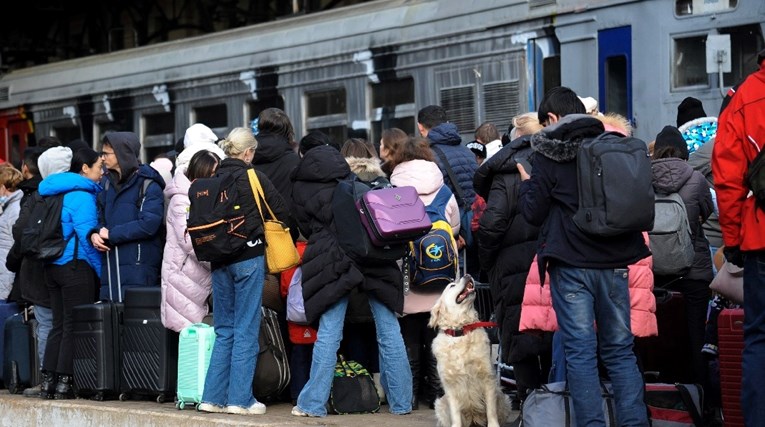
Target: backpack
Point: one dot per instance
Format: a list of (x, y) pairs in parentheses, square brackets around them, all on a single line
[(295, 303), (615, 186), (218, 229), (42, 237), (755, 178), (353, 238), (671, 238), (433, 260)]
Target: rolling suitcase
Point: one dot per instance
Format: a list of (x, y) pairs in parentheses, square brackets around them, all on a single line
[(272, 372), (21, 364), (7, 309), (730, 329), (664, 358), (149, 350), (195, 346), (97, 328)]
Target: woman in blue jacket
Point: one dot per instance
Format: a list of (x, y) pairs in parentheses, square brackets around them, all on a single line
[(71, 279)]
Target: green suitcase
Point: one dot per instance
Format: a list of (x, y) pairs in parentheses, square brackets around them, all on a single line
[(195, 346)]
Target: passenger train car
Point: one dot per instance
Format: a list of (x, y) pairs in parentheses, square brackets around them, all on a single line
[(372, 66)]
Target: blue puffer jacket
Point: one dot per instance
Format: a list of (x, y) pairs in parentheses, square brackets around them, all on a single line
[(134, 224), (79, 214), (461, 159)]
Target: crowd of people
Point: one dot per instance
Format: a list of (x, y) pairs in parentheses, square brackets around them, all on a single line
[(125, 226)]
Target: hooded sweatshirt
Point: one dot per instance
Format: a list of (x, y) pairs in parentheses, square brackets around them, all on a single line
[(198, 137), (54, 160)]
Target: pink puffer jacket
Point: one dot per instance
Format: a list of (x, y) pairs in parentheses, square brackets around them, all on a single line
[(537, 312), (186, 282)]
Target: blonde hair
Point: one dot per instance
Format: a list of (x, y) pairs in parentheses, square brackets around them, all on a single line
[(10, 177), (616, 122), (525, 124), (238, 141)]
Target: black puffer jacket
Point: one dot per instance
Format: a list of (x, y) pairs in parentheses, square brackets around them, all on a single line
[(276, 159), (506, 247), (328, 273), (676, 175)]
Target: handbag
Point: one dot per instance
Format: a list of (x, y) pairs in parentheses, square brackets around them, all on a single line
[(674, 405), (551, 405), (729, 282), (353, 390), (281, 253)]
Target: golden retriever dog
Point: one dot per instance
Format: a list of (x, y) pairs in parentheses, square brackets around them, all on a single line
[(472, 395)]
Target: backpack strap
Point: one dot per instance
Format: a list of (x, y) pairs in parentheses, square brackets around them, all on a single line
[(690, 405), (452, 177)]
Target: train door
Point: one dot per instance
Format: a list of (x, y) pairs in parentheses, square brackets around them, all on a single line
[(615, 71), (15, 133), (543, 57)]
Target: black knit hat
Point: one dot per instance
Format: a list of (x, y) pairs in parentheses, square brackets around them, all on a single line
[(671, 137), (690, 109)]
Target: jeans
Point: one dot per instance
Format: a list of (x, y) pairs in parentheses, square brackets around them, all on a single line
[(237, 295), (752, 392), (558, 371), (394, 366), (582, 297), (44, 317), (69, 285)]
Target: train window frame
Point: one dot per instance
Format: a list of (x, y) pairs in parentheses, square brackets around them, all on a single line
[(688, 6), (674, 86), (219, 128), (335, 122), (401, 113), (159, 142)]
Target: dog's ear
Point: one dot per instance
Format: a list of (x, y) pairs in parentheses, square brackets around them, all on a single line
[(435, 314)]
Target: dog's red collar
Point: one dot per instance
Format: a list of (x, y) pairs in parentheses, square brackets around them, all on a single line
[(467, 328)]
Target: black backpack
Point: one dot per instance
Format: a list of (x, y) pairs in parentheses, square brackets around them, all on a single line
[(42, 237), (755, 178), (351, 235), (216, 225), (615, 186)]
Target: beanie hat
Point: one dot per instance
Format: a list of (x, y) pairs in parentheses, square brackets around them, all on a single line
[(312, 140), (477, 148), (54, 160), (671, 137), (690, 109), (590, 104)]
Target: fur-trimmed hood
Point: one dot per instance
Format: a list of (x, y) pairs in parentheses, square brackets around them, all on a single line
[(367, 169), (560, 142)]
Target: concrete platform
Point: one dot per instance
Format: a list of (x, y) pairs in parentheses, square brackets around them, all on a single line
[(17, 411)]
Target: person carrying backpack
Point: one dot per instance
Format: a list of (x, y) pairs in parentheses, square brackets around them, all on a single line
[(412, 163), (10, 205), (673, 174), (71, 278)]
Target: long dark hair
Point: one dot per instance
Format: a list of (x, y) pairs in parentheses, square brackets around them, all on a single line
[(203, 164), (81, 157), (414, 148)]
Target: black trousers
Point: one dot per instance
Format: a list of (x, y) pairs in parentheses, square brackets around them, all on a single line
[(69, 285), (418, 338)]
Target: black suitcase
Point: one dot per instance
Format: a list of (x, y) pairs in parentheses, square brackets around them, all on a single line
[(663, 358), (21, 364), (7, 309), (97, 350), (149, 350)]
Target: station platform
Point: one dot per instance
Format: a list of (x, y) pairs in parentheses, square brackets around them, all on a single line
[(17, 411)]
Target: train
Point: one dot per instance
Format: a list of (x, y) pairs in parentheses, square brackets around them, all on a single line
[(372, 66)]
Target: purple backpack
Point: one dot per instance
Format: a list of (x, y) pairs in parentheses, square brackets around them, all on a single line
[(393, 215)]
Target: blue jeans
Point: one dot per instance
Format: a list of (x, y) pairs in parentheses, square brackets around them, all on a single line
[(394, 365), (558, 370), (44, 317), (582, 297), (237, 294), (752, 392)]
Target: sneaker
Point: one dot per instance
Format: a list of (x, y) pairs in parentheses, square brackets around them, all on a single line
[(299, 412), (32, 391), (209, 407), (256, 408)]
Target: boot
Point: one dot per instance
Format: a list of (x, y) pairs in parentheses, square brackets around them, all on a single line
[(414, 365), (48, 385), (433, 389), (64, 388)]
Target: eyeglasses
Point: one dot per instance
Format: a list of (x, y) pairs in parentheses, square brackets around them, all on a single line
[(106, 153)]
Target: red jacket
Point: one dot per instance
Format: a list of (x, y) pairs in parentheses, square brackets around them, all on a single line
[(740, 136)]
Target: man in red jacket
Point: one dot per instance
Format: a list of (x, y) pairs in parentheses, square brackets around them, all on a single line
[(740, 136)]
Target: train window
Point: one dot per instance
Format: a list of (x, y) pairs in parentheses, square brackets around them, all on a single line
[(745, 41), (696, 7), (392, 103), (616, 85), (459, 103), (67, 134), (159, 136), (689, 62), (255, 107), (338, 134), (326, 103), (214, 116)]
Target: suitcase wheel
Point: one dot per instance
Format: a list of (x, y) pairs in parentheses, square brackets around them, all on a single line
[(161, 398), (99, 396), (124, 397), (180, 405)]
